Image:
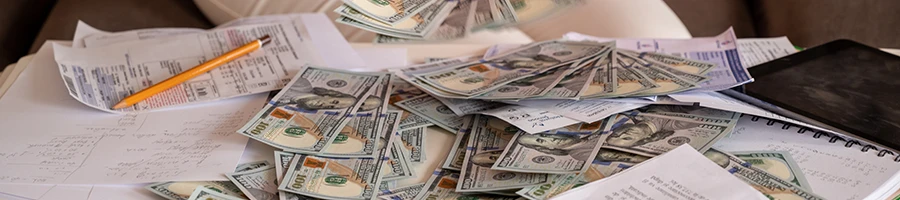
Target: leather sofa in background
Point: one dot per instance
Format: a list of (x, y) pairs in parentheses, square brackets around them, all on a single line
[(26, 24)]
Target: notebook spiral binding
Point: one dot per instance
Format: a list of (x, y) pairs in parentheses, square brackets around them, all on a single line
[(833, 138)]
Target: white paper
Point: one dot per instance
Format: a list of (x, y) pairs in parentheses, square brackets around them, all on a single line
[(833, 170), (720, 50), (530, 120), (682, 173), (756, 51), (724, 102), (588, 110), (380, 59), (49, 138)]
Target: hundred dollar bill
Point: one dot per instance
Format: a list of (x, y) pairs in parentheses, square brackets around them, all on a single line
[(604, 81), (530, 10), (689, 110), (310, 111), (589, 110), (651, 135), (768, 184), (777, 163), (414, 143), (389, 11), (257, 184), (483, 14), (455, 24), (695, 78), (457, 153), (557, 152), (409, 120), (534, 86), (182, 190), (485, 144), (204, 193), (442, 185), (402, 193), (397, 166), (251, 165), (402, 90), (575, 84), (475, 78), (559, 184), (468, 106), (408, 75), (394, 164), (358, 138), (668, 82), (433, 110), (417, 25), (683, 64), (332, 178), (530, 120), (284, 159)]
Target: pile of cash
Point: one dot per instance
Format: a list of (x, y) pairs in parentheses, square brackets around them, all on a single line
[(358, 135), (559, 70), (410, 20)]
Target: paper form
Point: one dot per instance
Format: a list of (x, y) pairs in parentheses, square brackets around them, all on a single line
[(682, 173), (720, 50), (756, 51), (833, 170), (49, 138)]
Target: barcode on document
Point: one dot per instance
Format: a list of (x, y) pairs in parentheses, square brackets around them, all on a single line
[(70, 85)]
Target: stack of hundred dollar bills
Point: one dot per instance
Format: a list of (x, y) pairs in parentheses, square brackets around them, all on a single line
[(341, 137), (410, 20)]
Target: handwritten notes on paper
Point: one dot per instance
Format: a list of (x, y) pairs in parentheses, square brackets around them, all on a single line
[(682, 173), (45, 143)]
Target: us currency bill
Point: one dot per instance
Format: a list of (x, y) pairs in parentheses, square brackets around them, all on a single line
[(408, 75), (182, 190), (668, 83), (589, 110), (442, 183), (604, 82), (769, 185), (559, 183), (557, 152), (333, 178), (433, 110), (397, 165), (409, 120), (389, 11), (483, 14), (284, 159), (534, 86), (651, 135), (402, 193), (694, 78), (358, 138), (417, 25), (683, 64), (530, 120), (690, 110), (310, 111), (456, 24), (257, 184), (484, 146), (475, 78), (575, 84), (468, 106), (777, 163), (457, 153), (414, 143), (204, 193)]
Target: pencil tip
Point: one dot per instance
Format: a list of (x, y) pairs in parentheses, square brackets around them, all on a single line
[(264, 40), (120, 105)]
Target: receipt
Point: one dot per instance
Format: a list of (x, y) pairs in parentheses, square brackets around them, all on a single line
[(119, 64)]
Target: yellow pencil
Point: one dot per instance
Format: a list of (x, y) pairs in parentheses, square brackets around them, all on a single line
[(191, 73)]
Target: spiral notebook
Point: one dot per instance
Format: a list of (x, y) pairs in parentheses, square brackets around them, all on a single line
[(836, 166)]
